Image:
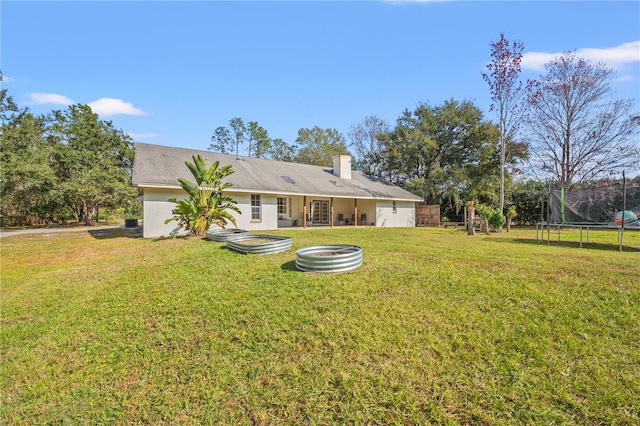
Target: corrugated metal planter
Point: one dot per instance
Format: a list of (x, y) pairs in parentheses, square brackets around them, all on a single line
[(333, 258), (222, 235), (259, 244)]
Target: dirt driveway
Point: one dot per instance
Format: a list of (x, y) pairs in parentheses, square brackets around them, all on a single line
[(71, 229)]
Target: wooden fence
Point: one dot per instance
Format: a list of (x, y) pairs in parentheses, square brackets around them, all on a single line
[(427, 215)]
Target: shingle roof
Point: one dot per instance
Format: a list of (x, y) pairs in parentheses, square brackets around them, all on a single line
[(161, 166)]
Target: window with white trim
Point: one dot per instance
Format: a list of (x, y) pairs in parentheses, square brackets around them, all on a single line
[(256, 207)]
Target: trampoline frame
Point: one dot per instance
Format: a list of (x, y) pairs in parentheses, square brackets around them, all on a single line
[(586, 226)]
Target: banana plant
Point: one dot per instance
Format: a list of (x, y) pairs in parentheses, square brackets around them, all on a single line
[(206, 205)]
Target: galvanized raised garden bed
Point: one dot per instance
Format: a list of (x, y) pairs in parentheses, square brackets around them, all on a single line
[(222, 235), (259, 244), (330, 258)]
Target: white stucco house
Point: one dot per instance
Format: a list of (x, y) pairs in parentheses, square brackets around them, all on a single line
[(272, 194)]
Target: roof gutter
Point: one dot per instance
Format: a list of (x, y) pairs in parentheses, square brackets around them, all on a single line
[(262, 191)]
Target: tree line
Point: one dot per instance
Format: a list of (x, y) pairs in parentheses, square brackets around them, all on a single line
[(314, 146), (567, 126), (64, 166)]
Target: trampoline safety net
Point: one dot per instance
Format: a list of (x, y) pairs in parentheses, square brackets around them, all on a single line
[(609, 206)]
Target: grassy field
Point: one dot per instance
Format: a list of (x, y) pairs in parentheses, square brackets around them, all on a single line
[(435, 327)]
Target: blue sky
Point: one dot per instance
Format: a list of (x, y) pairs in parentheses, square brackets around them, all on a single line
[(170, 73)]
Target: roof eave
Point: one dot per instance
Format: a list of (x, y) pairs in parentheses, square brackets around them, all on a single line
[(275, 192)]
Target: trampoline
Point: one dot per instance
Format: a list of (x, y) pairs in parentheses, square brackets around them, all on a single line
[(613, 207)]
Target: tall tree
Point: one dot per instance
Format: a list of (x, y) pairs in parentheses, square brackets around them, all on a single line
[(239, 131), (28, 188), (436, 152), (319, 146), (65, 164), (579, 130), (222, 141), (8, 107), (258, 140), (28, 182), (279, 150), (365, 140), (93, 161), (251, 136), (506, 96)]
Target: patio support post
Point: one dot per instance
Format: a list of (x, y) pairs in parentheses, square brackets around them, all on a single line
[(332, 212), (355, 202), (304, 213)]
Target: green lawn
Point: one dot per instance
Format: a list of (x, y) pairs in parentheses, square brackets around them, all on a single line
[(435, 327)]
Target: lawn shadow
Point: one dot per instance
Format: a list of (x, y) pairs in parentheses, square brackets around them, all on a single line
[(289, 266), (613, 246), (106, 233), (226, 248)]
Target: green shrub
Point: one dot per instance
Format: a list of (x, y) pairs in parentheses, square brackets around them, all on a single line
[(496, 220)]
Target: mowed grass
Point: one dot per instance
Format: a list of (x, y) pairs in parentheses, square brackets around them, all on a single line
[(435, 327)]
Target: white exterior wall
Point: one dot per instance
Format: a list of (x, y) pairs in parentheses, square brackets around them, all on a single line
[(269, 212), (368, 208), (156, 209), (405, 215), (344, 207)]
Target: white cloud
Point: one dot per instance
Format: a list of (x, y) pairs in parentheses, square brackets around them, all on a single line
[(48, 98), (106, 107), (625, 78), (536, 60), (615, 57)]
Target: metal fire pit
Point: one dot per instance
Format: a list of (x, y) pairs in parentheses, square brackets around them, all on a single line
[(332, 258), (222, 235), (259, 244)]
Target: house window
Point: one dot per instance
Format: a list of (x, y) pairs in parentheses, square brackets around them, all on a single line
[(282, 205), (256, 207), (395, 207)]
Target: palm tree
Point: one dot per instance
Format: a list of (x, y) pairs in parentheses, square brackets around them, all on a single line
[(206, 205)]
